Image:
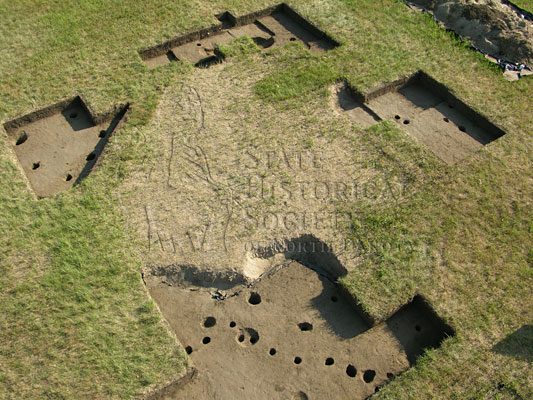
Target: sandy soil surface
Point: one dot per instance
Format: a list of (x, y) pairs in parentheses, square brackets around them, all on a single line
[(448, 133), (286, 337), (59, 150), (229, 184)]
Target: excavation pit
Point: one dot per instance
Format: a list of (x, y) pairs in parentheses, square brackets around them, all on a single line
[(58, 146), (272, 27), (277, 358), (427, 110), (351, 103)]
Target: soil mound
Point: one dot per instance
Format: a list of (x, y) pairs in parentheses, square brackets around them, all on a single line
[(496, 28)]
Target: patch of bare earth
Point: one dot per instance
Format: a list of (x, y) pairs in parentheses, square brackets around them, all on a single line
[(235, 190), (289, 334), (230, 179)]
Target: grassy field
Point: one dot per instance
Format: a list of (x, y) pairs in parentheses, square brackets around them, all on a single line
[(75, 319), (524, 4)]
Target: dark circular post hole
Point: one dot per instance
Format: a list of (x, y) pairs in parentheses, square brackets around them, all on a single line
[(351, 371), (254, 335), (369, 375), (209, 322), (255, 298), (305, 326)]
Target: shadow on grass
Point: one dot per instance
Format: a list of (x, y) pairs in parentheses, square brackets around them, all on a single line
[(518, 344)]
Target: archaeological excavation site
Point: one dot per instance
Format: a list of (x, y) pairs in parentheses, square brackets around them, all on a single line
[(288, 334), (59, 145), (233, 200)]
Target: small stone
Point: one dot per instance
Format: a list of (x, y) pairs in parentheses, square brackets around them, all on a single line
[(511, 75)]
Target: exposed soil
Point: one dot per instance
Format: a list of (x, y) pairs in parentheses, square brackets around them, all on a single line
[(228, 202), (447, 127), (447, 133), (289, 335), (227, 180), (494, 27), (270, 28), (344, 101), (58, 150), (156, 61)]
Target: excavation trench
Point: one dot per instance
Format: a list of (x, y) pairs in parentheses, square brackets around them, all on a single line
[(426, 109), (58, 146), (272, 27), (290, 333)]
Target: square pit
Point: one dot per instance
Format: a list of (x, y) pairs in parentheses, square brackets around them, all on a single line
[(427, 110), (59, 145)]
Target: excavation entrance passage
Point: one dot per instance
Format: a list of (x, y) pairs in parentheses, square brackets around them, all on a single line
[(268, 28), (301, 336)]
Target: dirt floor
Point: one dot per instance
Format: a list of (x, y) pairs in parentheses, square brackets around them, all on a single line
[(494, 27), (58, 150), (267, 31), (343, 101), (446, 131), (286, 336)]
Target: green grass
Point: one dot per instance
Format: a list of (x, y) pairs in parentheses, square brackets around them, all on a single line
[(524, 4), (76, 321), (302, 76), (73, 308)]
